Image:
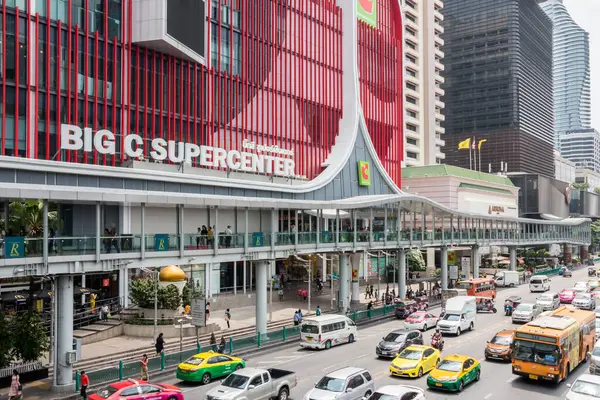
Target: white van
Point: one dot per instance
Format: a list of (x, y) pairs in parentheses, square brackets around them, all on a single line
[(326, 331), (460, 315), (539, 283)]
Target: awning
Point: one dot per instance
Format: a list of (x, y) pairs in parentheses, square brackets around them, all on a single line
[(40, 295)]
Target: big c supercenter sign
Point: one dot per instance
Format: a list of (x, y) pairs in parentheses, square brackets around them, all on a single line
[(367, 11), (364, 173), (255, 158)]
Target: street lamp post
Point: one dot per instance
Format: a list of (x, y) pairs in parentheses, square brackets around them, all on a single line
[(155, 275)]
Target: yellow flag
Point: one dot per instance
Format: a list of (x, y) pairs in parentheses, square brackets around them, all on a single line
[(482, 141), (465, 144)]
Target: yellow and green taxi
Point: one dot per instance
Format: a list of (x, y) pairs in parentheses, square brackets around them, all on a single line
[(414, 361), (204, 367), (454, 372)]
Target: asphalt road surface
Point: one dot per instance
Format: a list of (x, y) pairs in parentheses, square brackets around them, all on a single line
[(497, 380)]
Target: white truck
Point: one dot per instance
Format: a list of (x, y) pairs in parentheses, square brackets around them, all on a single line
[(255, 384), (507, 278), (461, 312)]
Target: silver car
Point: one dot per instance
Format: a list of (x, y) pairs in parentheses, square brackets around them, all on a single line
[(586, 387), (548, 301), (398, 392), (526, 312), (584, 301), (348, 383), (595, 360)]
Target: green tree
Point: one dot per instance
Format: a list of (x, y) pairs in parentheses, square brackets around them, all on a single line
[(141, 292), (597, 190), (595, 226), (580, 185), (168, 297), (30, 337), (28, 218), (6, 343), (415, 261)]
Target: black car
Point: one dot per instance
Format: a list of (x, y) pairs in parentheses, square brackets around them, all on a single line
[(396, 341)]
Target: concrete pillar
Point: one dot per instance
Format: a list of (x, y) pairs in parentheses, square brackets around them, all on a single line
[(344, 281), (125, 219), (124, 286), (324, 266), (444, 267), (584, 254), (64, 333), (475, 258), (513, 258), (261, 296), (401, 273)]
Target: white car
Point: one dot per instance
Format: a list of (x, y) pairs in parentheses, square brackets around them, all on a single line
[(584, 301), (586, 387), (421, 320), (581, 287), (548, 301), (526, 312), (398, 392), (349, 383)]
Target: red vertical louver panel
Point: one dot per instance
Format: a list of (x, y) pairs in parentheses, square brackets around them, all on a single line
[(27, 86), (17, 59), (96, 116), (4, 78), (37, 86)]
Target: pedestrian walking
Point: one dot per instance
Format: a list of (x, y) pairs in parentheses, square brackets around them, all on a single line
[(209, 235), (280, 293), (227, 318), (16, 390), (229, 235), (296, 318), (160, 344), (318, 311), (222, 345), (85, 382), (371, 291), (144, 371), (207, 312)]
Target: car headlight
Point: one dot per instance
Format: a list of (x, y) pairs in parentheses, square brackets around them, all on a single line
[(452, 380)]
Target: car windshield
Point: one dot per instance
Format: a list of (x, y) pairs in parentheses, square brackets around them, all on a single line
[(451, 317), (596, 352), (524, 307), (452, 366), (582, 296), (306, 328), (106, 392), (567, 293), (235, 381), (381, 396), (580, 285), (501, 340), (539, 353), (416, 315), (395, 337), (586, 388), (194, 361), (545, 297), (331, 384), (409, 354)]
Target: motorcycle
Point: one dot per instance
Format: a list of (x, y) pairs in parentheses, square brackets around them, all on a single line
[(437, 343)]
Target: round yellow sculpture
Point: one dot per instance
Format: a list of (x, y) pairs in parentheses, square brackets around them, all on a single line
[(171, 273)]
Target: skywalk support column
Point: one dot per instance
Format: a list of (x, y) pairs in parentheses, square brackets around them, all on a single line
[(475, 257), (261, 296), (513, 258), (444, 267), (355, 288), (64, 333), (344, 281), (401, 273)]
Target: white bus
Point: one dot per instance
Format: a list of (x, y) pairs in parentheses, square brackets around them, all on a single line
[(326, 331)]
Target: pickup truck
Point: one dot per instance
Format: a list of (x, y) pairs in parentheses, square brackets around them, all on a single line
[(255, 384)]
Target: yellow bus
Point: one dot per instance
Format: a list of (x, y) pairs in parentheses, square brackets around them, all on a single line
[(552, 346)]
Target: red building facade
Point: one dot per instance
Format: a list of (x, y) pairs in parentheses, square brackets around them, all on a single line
[(273, 76)]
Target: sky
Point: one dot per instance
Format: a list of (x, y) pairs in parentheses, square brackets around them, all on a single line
[(586, 13)]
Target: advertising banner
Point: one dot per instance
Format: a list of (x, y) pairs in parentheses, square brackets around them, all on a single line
[(161, 242), (367, 11), (14, 247)]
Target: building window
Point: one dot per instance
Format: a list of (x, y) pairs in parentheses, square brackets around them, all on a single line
[(411, 114), (411, 127), (411, 100), (411, 86), (412, 142), (411, 154)]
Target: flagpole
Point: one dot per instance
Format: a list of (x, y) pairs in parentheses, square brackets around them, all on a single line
[(470, 157), (479, 159)]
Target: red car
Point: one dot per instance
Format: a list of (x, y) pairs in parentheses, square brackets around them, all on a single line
[(138, 390), (596, 292), (567, 296)]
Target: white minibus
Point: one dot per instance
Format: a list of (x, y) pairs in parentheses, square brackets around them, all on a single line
[(325, 331)]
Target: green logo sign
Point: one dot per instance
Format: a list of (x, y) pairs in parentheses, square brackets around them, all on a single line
[(14, 247), (258, 239), (367, 11), (161, 242), (364, 173)]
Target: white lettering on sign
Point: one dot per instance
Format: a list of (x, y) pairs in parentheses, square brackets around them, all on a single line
[(255, 158)]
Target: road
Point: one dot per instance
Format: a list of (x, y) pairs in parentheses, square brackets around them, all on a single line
[(497, 380)]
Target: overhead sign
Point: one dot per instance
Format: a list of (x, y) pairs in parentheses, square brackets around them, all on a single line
[(364, 173), (367, 11), (14, 247), (451, 258), (198, 312), (256, 158), (161, 242)]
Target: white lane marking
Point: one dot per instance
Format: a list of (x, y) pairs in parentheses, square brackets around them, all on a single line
[(512, 379), (333, 366), (264, 362), (295, 357), (487, 396)]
